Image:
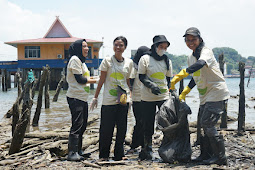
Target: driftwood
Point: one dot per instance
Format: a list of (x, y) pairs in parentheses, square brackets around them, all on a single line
[(60, 84), (35, 144), (112, 162), (62, 149), (39, 99), (87, 163), (48, 135)]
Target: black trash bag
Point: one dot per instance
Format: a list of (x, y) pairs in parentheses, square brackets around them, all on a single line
[(172, 120)]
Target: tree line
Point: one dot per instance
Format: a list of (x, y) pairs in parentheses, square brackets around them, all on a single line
[(231, 57)]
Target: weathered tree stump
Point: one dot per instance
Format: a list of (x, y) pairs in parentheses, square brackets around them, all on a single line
[(15, 116), (60, 84), (19, 80), (20, 129), (39, 99), (19, 133), (4, 80), (224, 114), (241, 114), (35, 83)]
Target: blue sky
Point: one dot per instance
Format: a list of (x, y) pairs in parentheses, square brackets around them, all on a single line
[(223, 23)]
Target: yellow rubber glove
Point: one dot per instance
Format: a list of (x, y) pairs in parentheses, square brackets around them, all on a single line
[(184, 93), (178, 77)]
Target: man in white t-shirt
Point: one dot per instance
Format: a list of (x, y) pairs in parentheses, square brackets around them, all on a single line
[(213, 93)]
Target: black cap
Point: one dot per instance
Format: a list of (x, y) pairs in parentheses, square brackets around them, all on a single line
[(160, 39), (192, 31)]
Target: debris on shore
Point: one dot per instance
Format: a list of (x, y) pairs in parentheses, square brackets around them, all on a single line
[(49, 150)]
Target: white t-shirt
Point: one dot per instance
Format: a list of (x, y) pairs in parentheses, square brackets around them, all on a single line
[(209, 79), (136, 91), (117, 74), (157, 72), (75, 89)]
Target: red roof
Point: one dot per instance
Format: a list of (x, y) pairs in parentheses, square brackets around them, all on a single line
[(49, 41), (55, 35)]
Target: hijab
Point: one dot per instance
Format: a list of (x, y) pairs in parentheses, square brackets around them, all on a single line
[(139, 53), (76, 49), (198, 50), (157, 57)]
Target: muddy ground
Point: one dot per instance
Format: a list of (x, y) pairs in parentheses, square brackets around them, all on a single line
[(240, 150)]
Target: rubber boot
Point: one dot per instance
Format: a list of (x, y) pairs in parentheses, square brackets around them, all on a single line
[(218, 148), (73, 154), (146, 153), (205, 149), (80, 150)]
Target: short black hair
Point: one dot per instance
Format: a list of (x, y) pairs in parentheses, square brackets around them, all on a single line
[(122, 38)]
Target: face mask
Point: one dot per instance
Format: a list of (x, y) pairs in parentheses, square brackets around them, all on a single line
[(160, 52)]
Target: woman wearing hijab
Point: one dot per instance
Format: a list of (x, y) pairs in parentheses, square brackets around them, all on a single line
[(78, 79), (137, 138), (213, 94), (115, 71), (154, 72)]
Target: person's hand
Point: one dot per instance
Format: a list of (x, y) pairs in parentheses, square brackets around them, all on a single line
[(94, 80), (178, 77), (184, 93), (155, 90), (97, 80), (93, 104)]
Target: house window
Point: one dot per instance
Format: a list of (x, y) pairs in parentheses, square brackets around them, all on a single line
[(32, 52)]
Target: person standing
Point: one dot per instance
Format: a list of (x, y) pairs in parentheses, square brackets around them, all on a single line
[(213, 93), (115, 71), (137, 137), (78, 79), (154, 72)]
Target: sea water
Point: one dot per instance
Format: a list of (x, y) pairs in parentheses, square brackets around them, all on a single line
[(58, 115)]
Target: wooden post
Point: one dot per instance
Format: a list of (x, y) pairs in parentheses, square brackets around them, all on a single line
[(8, 79), (241, 114), (21, 126), (35, 84), (3, 81), (15, 115), (15, 80), (46, 91), (60, 84), (39, 99), (18, 83), (27, 102), (224, 114)]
